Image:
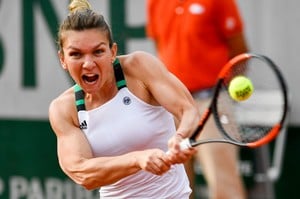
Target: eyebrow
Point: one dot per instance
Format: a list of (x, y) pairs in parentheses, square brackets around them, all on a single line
[(95, 47)]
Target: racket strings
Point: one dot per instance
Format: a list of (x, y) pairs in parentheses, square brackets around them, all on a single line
[(250, 120), (238, 69)]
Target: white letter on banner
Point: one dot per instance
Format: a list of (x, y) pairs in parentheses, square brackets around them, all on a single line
[(1, 186), (35, 189), (17, 187), (54, 188)]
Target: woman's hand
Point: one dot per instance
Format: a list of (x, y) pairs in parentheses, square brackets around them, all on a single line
[(175, 154), (154, 161)]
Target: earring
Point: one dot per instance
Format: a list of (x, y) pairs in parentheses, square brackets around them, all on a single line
[(65, 67)]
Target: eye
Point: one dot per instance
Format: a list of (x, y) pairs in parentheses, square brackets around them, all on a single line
[(98, 51), (75, 54)]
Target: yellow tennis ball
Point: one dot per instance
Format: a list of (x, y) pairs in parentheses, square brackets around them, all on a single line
[(240, 88)]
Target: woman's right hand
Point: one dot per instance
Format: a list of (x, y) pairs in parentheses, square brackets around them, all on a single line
[(177, 155), (154, 161)]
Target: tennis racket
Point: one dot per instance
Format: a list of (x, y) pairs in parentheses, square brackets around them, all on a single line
[(252, 122)]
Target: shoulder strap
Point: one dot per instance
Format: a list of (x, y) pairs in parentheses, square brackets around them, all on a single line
[(79, 98), (79, 93), (121, 83)]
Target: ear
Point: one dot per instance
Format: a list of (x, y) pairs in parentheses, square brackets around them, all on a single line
[(114, 50), (62, 60)]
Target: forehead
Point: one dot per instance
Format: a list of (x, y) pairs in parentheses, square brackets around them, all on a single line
[(89, 37)]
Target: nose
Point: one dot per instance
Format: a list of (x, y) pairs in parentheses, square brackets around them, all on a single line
[(88, 62)]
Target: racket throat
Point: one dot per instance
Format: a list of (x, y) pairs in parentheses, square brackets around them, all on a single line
[(193, 142)]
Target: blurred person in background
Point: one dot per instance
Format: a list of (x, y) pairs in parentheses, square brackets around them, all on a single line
[(195, 38)]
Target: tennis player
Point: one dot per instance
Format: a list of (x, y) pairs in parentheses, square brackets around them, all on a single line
[(114, 126)]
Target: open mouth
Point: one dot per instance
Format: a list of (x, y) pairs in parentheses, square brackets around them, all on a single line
[(90, 78)]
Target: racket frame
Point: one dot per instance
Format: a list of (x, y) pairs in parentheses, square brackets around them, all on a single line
[(212, 109)]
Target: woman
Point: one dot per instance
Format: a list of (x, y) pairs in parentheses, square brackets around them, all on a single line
[(115, 125)]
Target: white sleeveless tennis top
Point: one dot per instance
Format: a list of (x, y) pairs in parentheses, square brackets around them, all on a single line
[(125, 124)]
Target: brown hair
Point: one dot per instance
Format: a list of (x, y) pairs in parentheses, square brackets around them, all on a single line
[(82, 17)]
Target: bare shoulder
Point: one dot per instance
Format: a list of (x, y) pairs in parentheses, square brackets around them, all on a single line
[(137, 58), (62, 109), (140, 62), (62, 100)]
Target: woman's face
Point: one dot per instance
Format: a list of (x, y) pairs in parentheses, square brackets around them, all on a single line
[(88, 58)]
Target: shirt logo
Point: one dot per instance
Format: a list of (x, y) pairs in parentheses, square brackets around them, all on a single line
[(83, 125), (126, 100)]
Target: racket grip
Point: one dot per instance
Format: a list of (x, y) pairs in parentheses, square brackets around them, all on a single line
[(185, 144)]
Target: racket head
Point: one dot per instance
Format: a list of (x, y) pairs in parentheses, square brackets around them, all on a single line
[(257, 120)]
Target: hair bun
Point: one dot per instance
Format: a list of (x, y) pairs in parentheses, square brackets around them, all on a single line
[(78, 5)]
